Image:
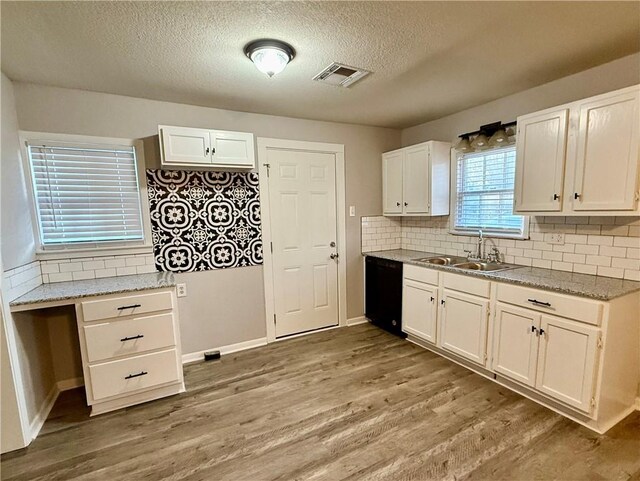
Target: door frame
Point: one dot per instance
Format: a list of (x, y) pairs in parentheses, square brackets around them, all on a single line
[(264, 145)]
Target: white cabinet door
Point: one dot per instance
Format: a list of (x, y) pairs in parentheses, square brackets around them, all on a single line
[(419, 309), (463, 325), (233, 149), (182, 145), (607, 153), (416, 182), (392, 182), (540, 159), (515, 343), (567, 361)]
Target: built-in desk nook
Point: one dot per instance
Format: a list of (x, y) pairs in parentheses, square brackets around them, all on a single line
[(129, 336)]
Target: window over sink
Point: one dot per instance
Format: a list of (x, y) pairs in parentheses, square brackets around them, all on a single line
[(483, 200)]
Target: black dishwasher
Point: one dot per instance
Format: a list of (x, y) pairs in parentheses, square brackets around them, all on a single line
[(383, 294)]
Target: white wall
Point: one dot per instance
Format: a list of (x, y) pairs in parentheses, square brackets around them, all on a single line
[(620, 73), (49, 109)]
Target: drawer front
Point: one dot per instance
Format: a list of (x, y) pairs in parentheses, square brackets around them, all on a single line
[(466, 284), (122, 377), (131, 336), (572, 307), (126, 306), (421, 274)]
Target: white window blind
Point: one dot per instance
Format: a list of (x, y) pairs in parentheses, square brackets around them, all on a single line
[(485, 183), (85, 194)]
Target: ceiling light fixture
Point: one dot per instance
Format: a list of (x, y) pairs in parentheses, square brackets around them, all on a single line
[(495, 134), (270, 56)]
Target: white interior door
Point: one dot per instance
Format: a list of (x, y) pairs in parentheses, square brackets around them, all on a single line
[(302, 197)]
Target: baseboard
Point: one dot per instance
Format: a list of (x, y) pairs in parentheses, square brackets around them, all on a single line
[(43, 412), (67, 384), (354, 321), (240, 346)]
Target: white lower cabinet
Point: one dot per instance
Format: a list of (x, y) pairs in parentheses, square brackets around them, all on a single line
[(578, 356), (419, 309), (515, 343), (567, 361), (463, 325)]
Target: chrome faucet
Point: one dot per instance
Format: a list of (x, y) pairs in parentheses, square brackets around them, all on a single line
[(480, 254)]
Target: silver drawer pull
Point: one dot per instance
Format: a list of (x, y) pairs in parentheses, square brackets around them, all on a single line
[(141, 373), (132, 306), (139, 336), (539, 303)]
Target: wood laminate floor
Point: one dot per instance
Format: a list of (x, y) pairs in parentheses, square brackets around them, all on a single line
[(345, 404)]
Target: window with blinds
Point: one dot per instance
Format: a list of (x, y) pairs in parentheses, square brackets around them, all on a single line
[(85, 194), (484, 197)]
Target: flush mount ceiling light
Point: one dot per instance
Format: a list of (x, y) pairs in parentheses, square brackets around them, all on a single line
[(270, 56)]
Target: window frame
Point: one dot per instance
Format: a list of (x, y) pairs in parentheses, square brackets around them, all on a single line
[(88, 249), (453, 203)]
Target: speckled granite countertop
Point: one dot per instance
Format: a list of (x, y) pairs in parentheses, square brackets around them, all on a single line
[(61, 291), (584, 285)]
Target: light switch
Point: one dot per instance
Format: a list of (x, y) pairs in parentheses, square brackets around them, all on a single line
[(352, 210)]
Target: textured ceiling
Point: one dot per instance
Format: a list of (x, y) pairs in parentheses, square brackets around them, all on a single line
[(428, 59)]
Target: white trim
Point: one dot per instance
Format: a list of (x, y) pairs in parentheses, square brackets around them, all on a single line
[(228, 349), (43, 412), (338, 150), (68, 384), (102, 249), (307, 333), (354, 321)]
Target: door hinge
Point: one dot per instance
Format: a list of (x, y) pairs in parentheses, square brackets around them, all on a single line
[(268, 166), (488, 312), (593, 402), (274, 319), (599, 344), (637, 196)]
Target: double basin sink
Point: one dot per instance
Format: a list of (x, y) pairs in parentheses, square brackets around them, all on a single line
[(466, 264)]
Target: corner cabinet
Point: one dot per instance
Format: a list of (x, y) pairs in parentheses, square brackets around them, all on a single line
[(189, 147), (415, 180), (580, 158)]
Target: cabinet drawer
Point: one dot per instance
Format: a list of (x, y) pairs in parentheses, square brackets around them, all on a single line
[(133, 374), (130, 336), (469, 285), (577, 308), (421, 274), (126, 306)]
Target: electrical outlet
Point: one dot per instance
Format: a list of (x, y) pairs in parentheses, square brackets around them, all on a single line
[(555, 238), (182, 290), (352, 210)]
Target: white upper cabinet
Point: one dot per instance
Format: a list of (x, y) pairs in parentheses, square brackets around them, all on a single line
[(187, 147), (181, 145), (542, 140), (392, 182), (607, 153), (415, 180), (581, 158)]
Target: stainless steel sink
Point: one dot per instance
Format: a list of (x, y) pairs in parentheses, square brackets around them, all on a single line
[(443, 260), (484, 266)]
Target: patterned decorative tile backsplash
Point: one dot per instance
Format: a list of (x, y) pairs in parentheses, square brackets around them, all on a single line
[(204, 220), (604, 246)]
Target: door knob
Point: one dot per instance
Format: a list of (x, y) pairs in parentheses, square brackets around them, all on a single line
[(334, 256), (332, 244)]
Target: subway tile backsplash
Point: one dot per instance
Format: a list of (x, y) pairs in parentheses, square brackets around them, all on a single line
[(60, 270), (605, 246)]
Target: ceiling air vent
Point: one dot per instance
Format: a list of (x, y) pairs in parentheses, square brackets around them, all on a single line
[(340, 75)]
